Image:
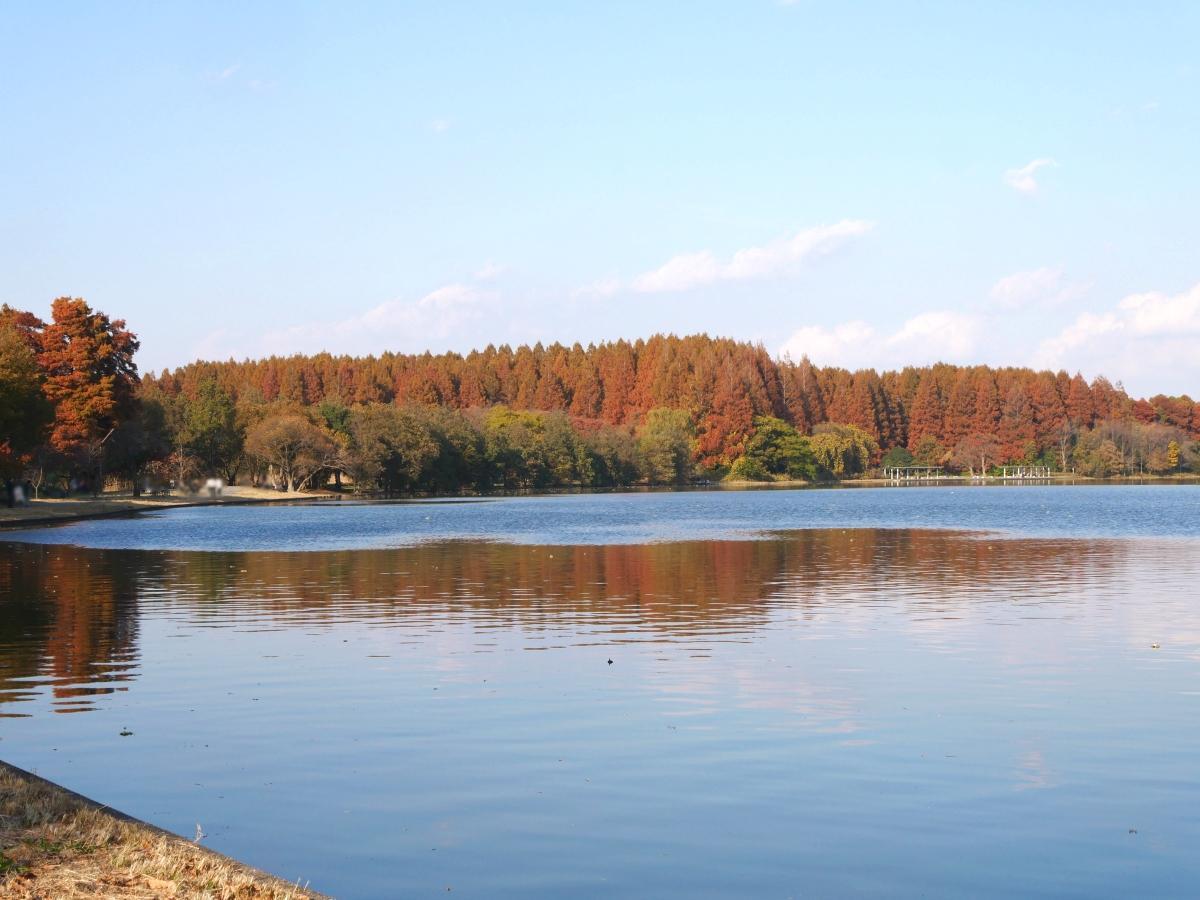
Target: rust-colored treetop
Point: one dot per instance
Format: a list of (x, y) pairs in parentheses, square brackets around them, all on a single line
[(90, 376), (723, 384)]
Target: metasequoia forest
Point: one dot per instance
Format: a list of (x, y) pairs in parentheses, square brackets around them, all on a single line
[(75, 414)]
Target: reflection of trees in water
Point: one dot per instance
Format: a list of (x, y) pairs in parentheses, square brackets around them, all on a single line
[(70, 614), (68, 618), (695, 584)]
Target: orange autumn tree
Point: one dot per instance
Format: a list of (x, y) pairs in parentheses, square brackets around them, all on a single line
[(723, 385), (90, 377)]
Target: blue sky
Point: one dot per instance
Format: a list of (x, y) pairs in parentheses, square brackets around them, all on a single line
[(867, 183)]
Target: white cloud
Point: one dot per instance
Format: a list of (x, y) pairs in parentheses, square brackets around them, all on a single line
[(232, 74), (1148, 339), (936, 336), (1023, 179), (490, 270), (393, 325), (440, 126), (831, 346), (1084, 330), (680, 273), (944, 335), (435, 308), (1044, 286), (691, 270), (217, 344), (1153, 313), (605, 287)]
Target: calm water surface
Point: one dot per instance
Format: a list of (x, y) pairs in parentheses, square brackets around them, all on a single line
[(631, 518), (886, 692)]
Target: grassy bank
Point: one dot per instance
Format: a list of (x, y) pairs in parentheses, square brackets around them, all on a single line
[(55, 843)]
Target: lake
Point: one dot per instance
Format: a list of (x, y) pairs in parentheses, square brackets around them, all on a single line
[(920, 691)]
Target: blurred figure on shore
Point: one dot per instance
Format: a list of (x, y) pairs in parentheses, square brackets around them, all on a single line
[(8, 492)]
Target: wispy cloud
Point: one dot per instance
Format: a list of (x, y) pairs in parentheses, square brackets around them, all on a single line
[(691, 270), (604, 287), (234, 76), (1024, 179), (1043, 286), (935, 336), (440, 126), (218, 76), (437, 308), (490, 270), (397, 324), (1054, 352)]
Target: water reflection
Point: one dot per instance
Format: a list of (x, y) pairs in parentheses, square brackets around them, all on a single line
[(68, 621), (837, 712), (70, 615)]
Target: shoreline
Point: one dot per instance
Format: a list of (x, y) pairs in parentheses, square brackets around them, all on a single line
[(48, 512), (57, 843), (51, 512)]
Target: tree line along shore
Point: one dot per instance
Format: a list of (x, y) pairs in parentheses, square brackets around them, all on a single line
[(75, 414)]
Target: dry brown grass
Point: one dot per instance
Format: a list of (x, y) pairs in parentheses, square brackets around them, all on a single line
[(55, 845)]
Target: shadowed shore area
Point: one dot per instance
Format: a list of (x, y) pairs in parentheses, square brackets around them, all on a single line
[(56, 843), (54, 511)]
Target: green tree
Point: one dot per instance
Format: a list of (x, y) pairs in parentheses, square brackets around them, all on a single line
[(566, 457), (748, 468), (391, 449), (212, 432), (1100, 457), (614, 457), (928, 452), (666, 443), (335, 415), (139, 443), (24, 411), (843, 450), (779, 449), (897, 456), (515, 448), (461, 461)]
